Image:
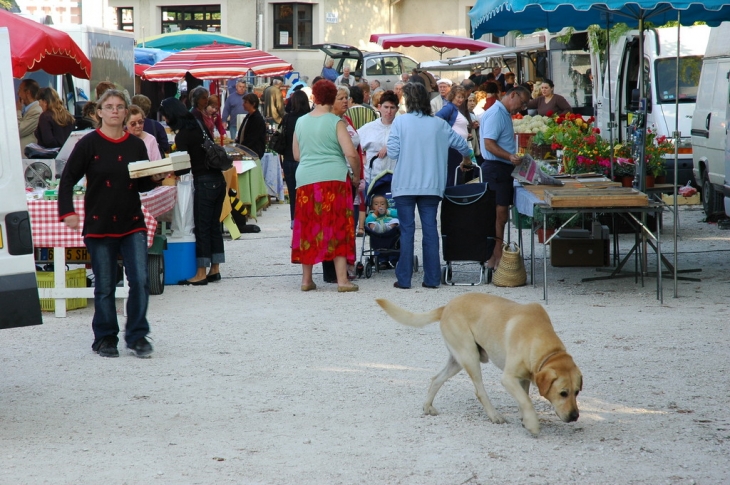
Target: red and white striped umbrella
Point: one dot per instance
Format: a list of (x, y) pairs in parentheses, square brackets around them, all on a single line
[(438, 42), (217, 61)]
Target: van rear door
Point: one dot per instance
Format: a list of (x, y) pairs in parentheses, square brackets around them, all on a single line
[(19, 303)]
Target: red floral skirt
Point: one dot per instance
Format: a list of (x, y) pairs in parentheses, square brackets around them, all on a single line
[(323, 223)]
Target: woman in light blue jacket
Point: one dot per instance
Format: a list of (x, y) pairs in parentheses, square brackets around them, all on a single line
[(420, 143)]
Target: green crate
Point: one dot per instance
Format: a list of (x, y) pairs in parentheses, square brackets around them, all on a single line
[(75, 278)]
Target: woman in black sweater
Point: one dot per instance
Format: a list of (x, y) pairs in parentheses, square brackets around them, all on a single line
[(113, 223), (299, 107), (252, 133), (209, 193)]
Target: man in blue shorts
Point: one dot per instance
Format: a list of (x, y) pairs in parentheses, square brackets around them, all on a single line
[(497, 140)]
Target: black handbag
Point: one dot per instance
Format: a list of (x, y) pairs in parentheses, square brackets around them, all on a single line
[(216, 157), (277, 142)]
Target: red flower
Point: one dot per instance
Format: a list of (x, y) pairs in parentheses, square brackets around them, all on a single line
[(661, 139), (549, 113), (591, 140), (596, 131), (555, 146)]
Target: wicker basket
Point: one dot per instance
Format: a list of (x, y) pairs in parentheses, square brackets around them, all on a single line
[(511, 271)]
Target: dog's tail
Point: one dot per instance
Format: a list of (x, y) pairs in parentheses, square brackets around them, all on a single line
[(408, 318)]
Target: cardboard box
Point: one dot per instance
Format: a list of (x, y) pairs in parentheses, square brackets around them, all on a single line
[(693, 200), (566, 252), (144, 168)]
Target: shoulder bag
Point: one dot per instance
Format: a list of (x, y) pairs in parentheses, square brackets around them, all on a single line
[(216, 157), (277, 142)]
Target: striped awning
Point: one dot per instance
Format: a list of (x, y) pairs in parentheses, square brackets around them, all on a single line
[(217, 61)]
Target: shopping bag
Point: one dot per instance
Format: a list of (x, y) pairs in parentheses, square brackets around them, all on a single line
[(182, 217)]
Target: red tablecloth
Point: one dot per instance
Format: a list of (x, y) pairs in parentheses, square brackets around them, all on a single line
[(49, 233)]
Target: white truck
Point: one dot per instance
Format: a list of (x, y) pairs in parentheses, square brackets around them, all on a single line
[(19, 302), (710, 125), (660, 73)]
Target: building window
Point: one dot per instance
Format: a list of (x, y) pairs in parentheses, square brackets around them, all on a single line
[(196, 17), (292, 25), (125, 19)]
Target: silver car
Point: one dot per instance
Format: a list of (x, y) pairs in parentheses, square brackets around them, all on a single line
[(386, 67)]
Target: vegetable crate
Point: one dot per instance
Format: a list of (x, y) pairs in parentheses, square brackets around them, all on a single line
[(75, 278), (524, 140)]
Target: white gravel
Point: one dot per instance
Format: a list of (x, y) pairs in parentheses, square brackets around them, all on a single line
[(255, 382)]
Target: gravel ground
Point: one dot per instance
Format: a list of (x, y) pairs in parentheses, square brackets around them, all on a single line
[(255, 382)]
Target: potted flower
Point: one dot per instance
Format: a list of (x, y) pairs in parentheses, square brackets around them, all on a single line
[(583, 148), (624, 169), (654, 152)]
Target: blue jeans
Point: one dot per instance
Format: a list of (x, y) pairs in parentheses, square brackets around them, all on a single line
[(104, 253), (210, 192), (427, 208)]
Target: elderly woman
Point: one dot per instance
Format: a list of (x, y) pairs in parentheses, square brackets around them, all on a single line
[(209, 192), (323, 220), (252, 132), (548, 101), (414, 137), (135, 125), (455, 113), (55, 122), (114, 223)]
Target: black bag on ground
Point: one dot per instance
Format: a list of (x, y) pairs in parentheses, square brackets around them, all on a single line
[(216, 157)]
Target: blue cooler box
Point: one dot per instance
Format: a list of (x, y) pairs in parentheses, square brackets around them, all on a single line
[(179, 261)]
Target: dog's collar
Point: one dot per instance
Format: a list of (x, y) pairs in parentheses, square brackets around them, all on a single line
[(545, 360)]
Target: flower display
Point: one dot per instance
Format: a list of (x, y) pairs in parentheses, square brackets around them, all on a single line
[(583, 148), (654, 151)]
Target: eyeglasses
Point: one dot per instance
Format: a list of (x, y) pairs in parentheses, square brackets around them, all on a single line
[(136, 123), (109, 107)]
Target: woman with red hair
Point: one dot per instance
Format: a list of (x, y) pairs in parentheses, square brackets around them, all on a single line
[(328, 168)]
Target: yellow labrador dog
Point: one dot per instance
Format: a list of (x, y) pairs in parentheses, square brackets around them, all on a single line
[(517, 338)]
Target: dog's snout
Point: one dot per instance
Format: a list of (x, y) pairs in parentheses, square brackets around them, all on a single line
[(573, 416)]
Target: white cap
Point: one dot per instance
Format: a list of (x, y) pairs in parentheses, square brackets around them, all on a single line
[(444, 81)]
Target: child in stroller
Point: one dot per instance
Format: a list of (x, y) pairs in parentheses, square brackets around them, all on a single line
[(381, 217), (381, 228)]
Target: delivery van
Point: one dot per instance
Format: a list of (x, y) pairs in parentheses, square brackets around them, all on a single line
[(710, 125), (19, 302), (660, 74)]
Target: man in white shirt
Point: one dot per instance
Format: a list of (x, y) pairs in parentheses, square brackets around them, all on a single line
[(438, 102), (28, 111), (345, 77)]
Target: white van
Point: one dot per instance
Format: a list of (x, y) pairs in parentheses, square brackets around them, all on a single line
[(19, 303), (710, 123), (660, 73)]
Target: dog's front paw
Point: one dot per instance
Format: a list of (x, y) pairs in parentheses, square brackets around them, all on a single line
[(497, 418), (531, 424), (429, 410)]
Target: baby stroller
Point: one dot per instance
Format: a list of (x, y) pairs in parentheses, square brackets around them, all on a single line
[(380, 248)]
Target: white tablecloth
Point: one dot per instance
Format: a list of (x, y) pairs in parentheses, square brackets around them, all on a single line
[(272, 175)]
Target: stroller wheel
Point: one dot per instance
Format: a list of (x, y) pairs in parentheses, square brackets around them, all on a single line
[(368, 270), (415, 264)]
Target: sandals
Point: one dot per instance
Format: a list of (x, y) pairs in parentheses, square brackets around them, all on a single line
[(311, 286), (345, 289)]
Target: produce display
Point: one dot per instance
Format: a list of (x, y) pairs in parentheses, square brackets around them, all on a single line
[(530, 124)]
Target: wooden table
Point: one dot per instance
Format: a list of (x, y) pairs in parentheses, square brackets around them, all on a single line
[(583, 198)]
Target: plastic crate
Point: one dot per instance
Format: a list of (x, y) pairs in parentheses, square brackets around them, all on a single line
[(75, 278)]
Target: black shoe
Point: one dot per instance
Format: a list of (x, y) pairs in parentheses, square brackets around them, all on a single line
[(250, 228), (428, 286), (193, 283), (212, 278), (396, 285), (141, 348), (106, 347)]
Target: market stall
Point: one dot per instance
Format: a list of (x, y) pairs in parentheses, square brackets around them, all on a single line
[(57, 243), (576, 198)]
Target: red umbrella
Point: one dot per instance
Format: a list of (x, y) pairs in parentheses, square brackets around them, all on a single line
[(34, 46), (438, 42), (216, 61)]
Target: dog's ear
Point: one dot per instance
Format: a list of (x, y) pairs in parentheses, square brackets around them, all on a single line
[(544, 379)]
